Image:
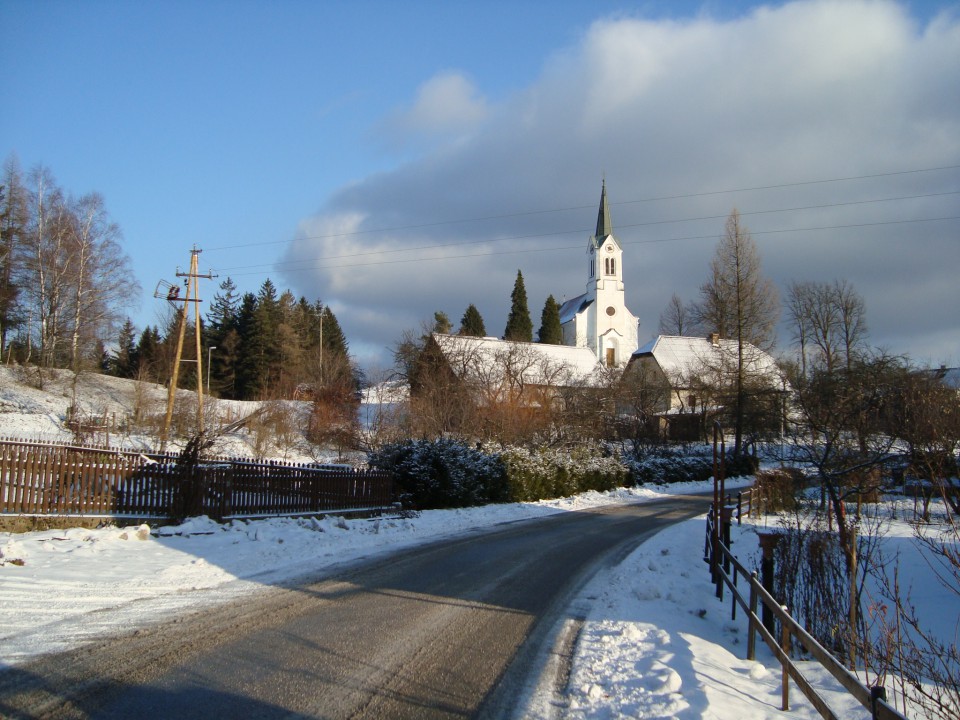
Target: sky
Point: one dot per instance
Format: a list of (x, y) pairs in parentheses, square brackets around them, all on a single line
[(394, 160)]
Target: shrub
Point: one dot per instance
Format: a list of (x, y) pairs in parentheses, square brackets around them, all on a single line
[(536, 475), (779, 488), (442, 473)]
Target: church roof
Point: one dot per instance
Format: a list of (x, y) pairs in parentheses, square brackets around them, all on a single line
[(573, 307), (604, 224), (486, 358)]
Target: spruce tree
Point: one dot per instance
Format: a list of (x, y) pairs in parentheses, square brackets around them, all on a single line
[(121, 363), (471, 324), (550, 330), (441, 323), (221, 333), (519, 326)]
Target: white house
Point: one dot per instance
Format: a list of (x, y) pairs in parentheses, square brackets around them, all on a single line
[(693, 366), (599, 318)]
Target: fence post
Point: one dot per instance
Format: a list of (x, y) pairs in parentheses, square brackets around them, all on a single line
[(768, 542), (751, 619), (726, 514), (785, 646)]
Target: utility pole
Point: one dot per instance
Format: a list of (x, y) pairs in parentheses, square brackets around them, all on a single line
[(192, 295)]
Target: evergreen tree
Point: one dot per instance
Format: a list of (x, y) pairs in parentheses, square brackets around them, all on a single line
[(550, 330), (121, 364), (471, 324), (221, 333), (441, 323), (145, 360), (519, 326), (247, 378)]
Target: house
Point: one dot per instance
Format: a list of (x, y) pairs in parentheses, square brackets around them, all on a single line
[(509, 370), (698, 376), (599, 319)]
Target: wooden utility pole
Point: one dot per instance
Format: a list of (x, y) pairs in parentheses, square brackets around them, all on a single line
[(192, 295)]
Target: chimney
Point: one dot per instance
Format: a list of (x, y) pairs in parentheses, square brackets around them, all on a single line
[(714, 339)]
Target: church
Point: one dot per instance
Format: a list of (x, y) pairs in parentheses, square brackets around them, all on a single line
[(599, 319), (598, 330)]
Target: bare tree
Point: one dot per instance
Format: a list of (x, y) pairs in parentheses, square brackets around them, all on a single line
[(738, 303), (102, 285), (676, 318), (829, 323)]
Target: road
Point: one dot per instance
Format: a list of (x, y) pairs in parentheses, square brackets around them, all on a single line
[(457, 628)]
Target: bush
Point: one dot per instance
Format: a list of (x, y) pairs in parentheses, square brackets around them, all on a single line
[(779, 488), (669, 465), (442, 473), (547, 474), (448, 473)]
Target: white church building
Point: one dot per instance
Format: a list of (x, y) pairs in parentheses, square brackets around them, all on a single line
[(599, 319)]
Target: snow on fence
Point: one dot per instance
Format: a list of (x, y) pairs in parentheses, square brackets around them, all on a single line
[(51, 479)]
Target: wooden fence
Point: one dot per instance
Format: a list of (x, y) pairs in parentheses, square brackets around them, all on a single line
[(49, 479), (726, 570)]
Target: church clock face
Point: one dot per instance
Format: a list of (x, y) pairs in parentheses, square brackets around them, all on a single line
[(611, 311), (609, 248)]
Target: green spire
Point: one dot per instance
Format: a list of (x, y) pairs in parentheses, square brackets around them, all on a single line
[(604, 226)]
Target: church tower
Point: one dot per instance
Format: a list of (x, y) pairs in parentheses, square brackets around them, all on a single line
[(599, 319)]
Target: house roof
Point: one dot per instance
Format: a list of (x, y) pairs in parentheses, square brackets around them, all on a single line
[(681, 356), (487, 358), (573, 307)]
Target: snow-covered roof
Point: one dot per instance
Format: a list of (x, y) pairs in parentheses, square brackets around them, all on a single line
[(682, 356), (949, 377), (572, 307), (489, 358)]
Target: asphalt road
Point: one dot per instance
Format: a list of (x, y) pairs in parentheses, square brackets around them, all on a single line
[(453, 629)]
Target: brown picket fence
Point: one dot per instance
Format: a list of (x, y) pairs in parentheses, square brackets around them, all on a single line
[(66, 480)]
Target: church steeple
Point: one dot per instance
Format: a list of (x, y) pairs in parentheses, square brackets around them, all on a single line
[(604, 226)]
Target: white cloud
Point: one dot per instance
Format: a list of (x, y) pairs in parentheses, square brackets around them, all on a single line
[(447, 107), (804, 91)]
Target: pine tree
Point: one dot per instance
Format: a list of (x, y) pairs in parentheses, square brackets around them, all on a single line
[(519, 326), (441, 323), (471, 324), (121, 363), (147, 354), (550, 331), (221, 333), (247, 380)]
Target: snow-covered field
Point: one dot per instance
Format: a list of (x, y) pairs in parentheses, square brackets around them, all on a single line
[(655, 642)]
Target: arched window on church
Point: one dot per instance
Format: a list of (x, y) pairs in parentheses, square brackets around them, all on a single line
[(610, 266)]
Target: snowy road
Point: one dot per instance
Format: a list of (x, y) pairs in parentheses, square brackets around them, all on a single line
[(458, 628)]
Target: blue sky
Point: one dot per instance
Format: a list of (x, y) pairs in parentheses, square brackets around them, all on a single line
[(262, 132)]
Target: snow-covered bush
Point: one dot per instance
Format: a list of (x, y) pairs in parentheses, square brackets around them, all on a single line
[(673, 465), (535, 475), (442, 473), (449, 473)]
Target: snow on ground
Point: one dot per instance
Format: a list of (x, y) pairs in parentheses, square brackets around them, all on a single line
[(654, 641)]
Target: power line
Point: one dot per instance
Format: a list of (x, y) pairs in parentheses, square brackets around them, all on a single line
[(621, 226), (585, 207), (711, 236)]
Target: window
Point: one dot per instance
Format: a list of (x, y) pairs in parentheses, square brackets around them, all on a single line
[(610, 266)]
